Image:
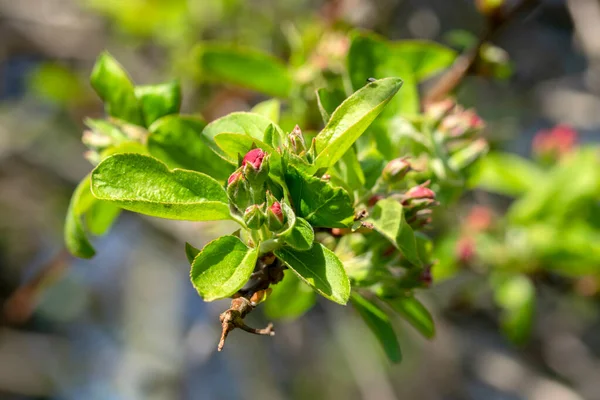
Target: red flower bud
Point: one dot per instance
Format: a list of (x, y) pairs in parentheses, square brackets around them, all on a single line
[(555, 142), (254, 157), (234, 177), (276, 210), (420, 192)]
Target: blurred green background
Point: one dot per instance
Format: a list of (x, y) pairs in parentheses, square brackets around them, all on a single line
[(129, 325)]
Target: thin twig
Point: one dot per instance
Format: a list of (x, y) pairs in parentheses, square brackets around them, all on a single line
[(451, 79)]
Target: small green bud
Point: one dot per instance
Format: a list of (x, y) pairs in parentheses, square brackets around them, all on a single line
[(296, 141), (254, 217), (395, 170), (237, 190)]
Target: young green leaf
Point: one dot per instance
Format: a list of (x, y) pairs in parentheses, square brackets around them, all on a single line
[(250, 124), (388, 219), (415, 313), (317, 201), (328, 100), (301, 236), (370, 55), (157, 101), (191, 252), (268, 108), (290, 298), (178, 141), (145, 185), (75, 238), (100, 217), (352, 118), (380, 325), (114, 87), (244, 67), (222, 268), (349, 171), (320, 268)]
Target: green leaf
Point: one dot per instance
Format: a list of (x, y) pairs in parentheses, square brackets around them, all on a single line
[(301, 236), (250, 124), (317, 201), (328, 100), (114, 87), (423, 57), (415, 313), (191, 252), (320, 268), (222, 268), (75, 238), (506, 174), (158, 100), (516, 296), (269, 109), (290, 298), (352, 118), (244, 67), (348, 169), (178, 141), (388, 219), (145, 185), (372, 56), (100, 217), (380, 325)]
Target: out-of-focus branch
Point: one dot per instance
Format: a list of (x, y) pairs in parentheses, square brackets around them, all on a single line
[(451, 79)]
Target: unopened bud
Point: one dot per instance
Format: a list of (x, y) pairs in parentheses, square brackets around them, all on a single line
[(419, 192), (553, 144), (237, 190), (255, 166), (254, 217), (395, 170), (462, 124), (468, 155), (275, 217), (297, 143), (438, 110)]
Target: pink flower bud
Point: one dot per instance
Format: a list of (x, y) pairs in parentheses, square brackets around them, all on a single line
[(420, 192), (237, 175), (555, 143), (254, 157), (276, 210), (438, 110)]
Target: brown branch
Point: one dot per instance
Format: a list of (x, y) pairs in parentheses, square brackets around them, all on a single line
[(452, 78), (268, 271)]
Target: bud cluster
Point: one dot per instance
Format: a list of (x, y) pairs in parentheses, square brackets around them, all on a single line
[(458, 130), (247, 190), (417, 202), (551, 145)]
